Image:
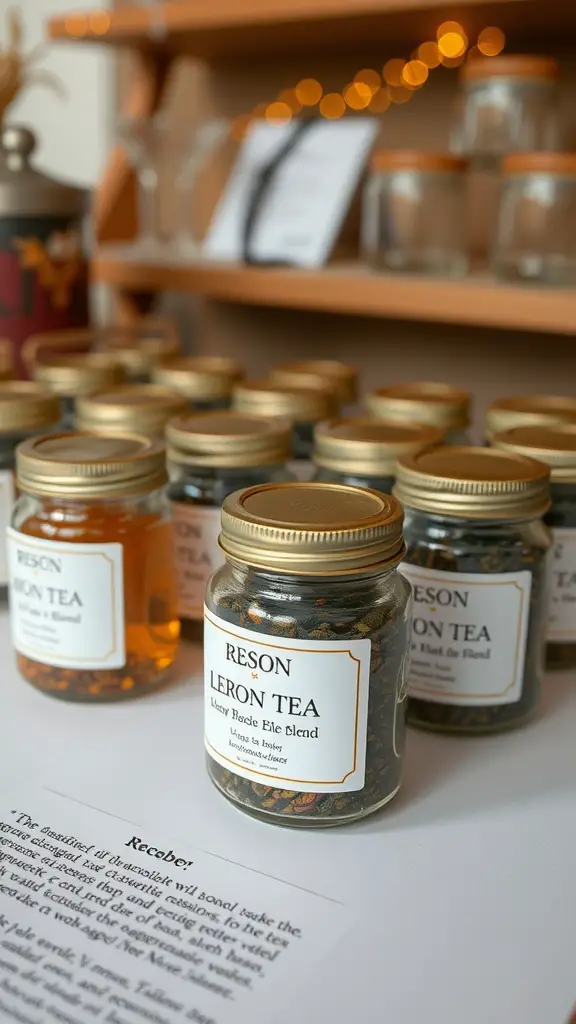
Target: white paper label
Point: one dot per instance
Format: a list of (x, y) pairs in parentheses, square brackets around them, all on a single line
[(197, 554), (289, 713), (6, 502), (562, 587), (67, 602), (469, 635)]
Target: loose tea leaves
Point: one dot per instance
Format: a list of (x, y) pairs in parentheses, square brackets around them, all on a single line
[(327, 611)]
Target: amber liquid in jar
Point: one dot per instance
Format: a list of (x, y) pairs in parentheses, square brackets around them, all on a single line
[(138, 523)]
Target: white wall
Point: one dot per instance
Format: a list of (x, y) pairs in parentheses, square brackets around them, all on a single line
[(74, 133)]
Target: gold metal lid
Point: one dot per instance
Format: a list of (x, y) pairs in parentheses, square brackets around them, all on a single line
[(134, 408), (26, 406), (303, 404), (312, 529), (360, 445), (204, 378), (525, 410), (90, 465), (510, 65), (555, 445), (439, 405), (336, 375), (228, 440), (86, 373), (473, 483)]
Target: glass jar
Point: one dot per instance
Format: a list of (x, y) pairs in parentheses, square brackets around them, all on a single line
[(335, 375), (209, 456), (536, 234), (363, 453), (509, 102), (207, 381), (413, 213), (93, 602), (555, 446), (133, 408), (303, 406), (528, 410), (435, 404), (305, 647), (476, 559), (75, 376), (25, 410)]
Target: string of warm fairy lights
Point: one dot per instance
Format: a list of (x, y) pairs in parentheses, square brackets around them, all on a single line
[(373, 91)]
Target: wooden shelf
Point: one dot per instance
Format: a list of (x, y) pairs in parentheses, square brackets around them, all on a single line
[(214, 29), (353, 290)]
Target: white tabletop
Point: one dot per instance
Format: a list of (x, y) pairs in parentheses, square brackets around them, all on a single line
[(464, 889)]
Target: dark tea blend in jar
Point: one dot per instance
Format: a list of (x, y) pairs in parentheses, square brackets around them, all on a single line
[(476, 548), (134, 408), (527, 411), (210, 455), (436, 404), (26, 409), (305, 647), (206, 381), (556, 447), (363, 452), (92, 588)]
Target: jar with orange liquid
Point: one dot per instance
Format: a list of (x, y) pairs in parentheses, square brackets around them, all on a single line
[(92, 585)]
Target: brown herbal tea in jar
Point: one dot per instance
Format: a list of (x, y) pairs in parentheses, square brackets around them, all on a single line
[(93, 601), (555, 446), (476, 559)]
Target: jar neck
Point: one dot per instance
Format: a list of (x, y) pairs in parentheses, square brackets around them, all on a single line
[(416, 518), (317, 587), (233, 475)]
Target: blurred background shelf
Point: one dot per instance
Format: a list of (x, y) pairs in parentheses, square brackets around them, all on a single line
[(236, 28), (353, 290)]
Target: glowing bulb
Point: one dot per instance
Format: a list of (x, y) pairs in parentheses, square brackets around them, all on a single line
[(309, 92), (332, 106), (491, 41), (278, 112), (76, 25), (452, 45), (392, 71), (414, 74), (357, 95), (370, 78), (429, 54)]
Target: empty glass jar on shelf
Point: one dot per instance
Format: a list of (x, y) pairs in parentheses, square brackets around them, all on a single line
[(536, 235), (413, 217), (508, 103)]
